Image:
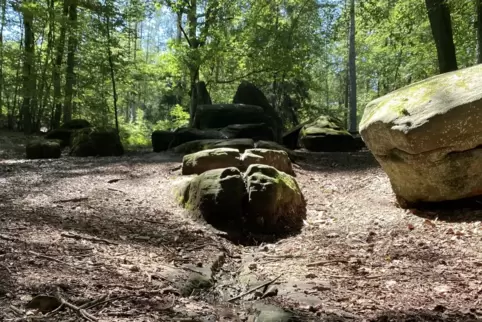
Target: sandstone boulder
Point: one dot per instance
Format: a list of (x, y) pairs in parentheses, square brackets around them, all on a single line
[(185, 135), (43, 149), (161, 140), (221, 115), (275, 158), (275, 202), (96, 142), (427, 137), (199, 162), (276, 146), (291, 138), (260, 131), (216, 196), (247, 93), (64, 132), (328, 135), (200, 145)]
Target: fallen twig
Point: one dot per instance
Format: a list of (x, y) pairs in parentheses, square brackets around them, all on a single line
[(114, 180), (93, 239), (325, 262), (7, 238), (6, 268), (117, 190), (97, 303), (78, 199), (49, 258), (82, 312), (254, 289)]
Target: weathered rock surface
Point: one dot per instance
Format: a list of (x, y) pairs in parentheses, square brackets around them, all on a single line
[(43, 149), (256, 132), (275, 158), (96, 142), (185, 135), (428, 137), (64, 133), (328, 135), (200, 145), (276, 203), (247, 93), (218, 116), (199, 162), (291, 138), (161, 140), (202, 94), (276, 146), (217, 196)]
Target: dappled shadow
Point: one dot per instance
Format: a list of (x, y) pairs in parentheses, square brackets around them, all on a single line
[(465, 210), (443, 314), (337, 161)]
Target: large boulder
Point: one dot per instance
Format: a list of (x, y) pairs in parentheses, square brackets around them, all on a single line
[(248, 93), (217, 196), (427, 137), (43, 149), (64, 132), (76, 124), (96, 142), (275, 201), (221, 115), (260, 131), (161, 140), (199, 162), (200, 145), (276, 146), (275, 158), (202, 94), (184, 135), (291, 138), (326, 134)]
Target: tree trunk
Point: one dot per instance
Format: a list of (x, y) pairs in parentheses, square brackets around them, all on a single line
[(193, 64), (112, 72), (440, 22), (28, 72), (479, 31), (70, 74), (352, 124), (4, 9), (57, 68)]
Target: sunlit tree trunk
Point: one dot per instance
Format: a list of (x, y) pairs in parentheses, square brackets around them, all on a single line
[(70, 71), (441, 24), (352, 124)]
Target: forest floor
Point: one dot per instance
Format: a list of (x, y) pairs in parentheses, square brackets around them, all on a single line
[(105, 234)]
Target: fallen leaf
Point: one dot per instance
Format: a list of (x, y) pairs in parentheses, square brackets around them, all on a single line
[(410, 227), (429, 223)]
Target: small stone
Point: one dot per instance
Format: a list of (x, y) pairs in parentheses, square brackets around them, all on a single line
[(310, 275), (253, 266), (333, 235)]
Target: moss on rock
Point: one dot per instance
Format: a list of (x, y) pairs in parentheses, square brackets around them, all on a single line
[(96, 142), (43, 149)]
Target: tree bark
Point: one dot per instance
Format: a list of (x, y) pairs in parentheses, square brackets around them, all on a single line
[(112, 72), (57, 115), (194, 64), (440, 22), (28, 72), (70, 71), (479, 31), (4, 9), (352, 124)]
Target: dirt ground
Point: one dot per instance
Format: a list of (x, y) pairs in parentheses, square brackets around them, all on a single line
[(101, 233)]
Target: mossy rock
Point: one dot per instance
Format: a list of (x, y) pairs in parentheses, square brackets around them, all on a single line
[(64, 136), (276, 203), (200, 145), (276, 158), (76, 124), (256, 132), (185, 135), (218, 116), (161, 140), (96, 142), (326, 134), (202, 161), (427, 137), (43, 149), (276, 146), (216, 196)]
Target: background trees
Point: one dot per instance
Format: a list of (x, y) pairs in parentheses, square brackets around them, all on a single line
[(59, 59)]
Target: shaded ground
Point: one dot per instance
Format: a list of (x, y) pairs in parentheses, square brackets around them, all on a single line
[(109, 229)]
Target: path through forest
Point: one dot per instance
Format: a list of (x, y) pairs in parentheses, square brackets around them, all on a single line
[(107, 232)]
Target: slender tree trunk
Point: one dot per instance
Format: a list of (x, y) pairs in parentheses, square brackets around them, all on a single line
[(112, 72), (479, 31), (194, 65), (4, 9), (70, 71), (352, 124), (179, 31), (441, 24), (56, 117), (28, 72)]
